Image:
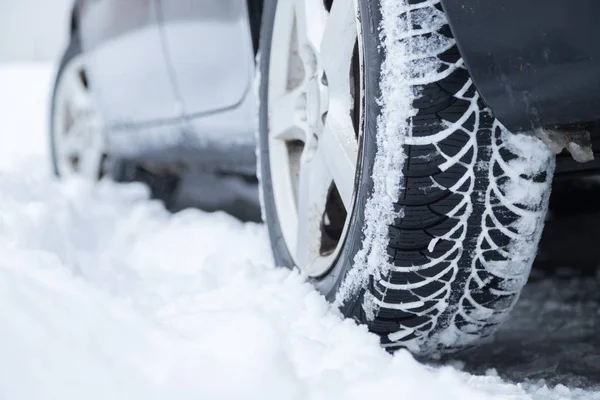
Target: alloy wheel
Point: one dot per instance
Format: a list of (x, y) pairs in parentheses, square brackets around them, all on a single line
[(314, 126)]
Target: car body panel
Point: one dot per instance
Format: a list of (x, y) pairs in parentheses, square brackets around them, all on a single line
[(172, 80), (209, 48), (536, 63), (223, 141), (125, 61)]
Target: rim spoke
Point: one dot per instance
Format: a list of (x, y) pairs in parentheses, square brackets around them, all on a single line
[(311, 18), (79, 96), (337, 48), (339, 138), (315, 182), (287, 120), (339, 143), (71, 144), (280, 51), (91, 160), (284, 188)]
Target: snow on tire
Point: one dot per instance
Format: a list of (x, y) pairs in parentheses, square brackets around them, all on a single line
[(448, 206)]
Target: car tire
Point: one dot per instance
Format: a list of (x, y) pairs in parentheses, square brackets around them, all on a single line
[(448, 206)]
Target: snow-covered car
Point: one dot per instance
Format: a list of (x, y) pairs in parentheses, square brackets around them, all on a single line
[(406, 148)]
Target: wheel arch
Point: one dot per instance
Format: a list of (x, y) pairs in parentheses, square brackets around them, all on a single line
[(536, 63), (74, 20), (255, 10)]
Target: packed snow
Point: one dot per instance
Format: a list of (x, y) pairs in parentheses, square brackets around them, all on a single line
[(106, 295)]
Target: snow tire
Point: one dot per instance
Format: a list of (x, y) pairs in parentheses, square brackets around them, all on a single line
[(435, 260)]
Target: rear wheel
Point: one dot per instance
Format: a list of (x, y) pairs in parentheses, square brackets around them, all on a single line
[(385, 178), (77, 139)]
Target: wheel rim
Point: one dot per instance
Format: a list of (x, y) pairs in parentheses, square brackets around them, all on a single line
[(77, 133), (314, 134)]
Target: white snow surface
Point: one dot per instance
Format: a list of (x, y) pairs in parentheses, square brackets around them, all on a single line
[(106, 295)]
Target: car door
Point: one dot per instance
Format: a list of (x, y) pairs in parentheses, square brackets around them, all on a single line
[(209, 49), (125, 61)]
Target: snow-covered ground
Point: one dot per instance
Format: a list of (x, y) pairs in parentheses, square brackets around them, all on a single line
[(106, 295)]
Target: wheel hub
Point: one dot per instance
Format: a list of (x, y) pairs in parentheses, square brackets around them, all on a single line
[(317, 102)]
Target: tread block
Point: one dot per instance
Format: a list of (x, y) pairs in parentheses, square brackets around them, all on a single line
[(454, 143), (417, 217), (433, 99), (454, 111), (426, 125), (455, 81)]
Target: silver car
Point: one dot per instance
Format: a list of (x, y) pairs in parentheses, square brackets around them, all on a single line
[(165, 83), (385, 176)]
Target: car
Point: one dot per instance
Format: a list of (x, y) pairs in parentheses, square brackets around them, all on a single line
[(404, 149)]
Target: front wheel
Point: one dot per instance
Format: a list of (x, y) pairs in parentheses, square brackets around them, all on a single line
[(385, 178)]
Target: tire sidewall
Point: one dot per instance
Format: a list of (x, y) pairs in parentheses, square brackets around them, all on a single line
[(328, 285)]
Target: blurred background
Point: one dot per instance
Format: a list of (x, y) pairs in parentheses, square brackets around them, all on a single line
[(33, 30), (33, 36)]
